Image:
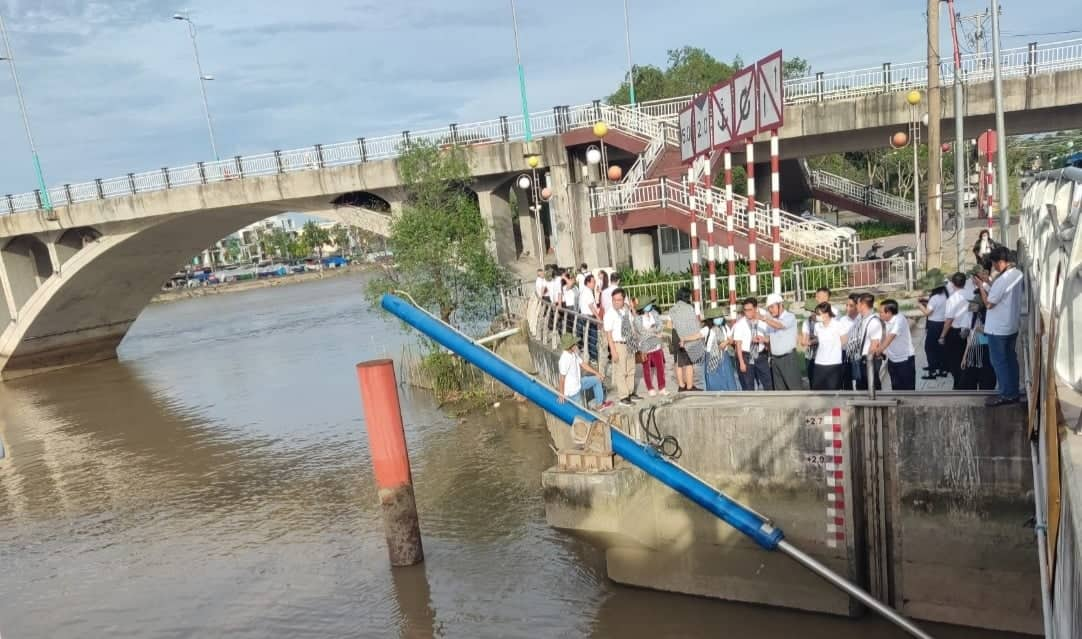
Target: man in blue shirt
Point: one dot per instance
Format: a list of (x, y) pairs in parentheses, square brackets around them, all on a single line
[(1003, 299)]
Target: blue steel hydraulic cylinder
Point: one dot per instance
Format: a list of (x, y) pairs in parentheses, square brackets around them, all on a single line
[(639, 454)]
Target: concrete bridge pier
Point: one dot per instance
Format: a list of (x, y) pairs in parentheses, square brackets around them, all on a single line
[(494, 200)]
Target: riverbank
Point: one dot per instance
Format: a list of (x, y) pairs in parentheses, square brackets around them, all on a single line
[(178, 294)]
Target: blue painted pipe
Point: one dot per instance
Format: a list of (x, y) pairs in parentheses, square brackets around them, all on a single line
[(641, 455)]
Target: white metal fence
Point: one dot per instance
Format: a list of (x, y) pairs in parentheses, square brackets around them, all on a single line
[(861, 193), (808, 238), (1029, 60)]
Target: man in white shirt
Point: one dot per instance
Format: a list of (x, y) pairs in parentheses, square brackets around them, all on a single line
[(570, 303), (845, 326), (864, 339), (1003, 300), (606, 295), (897, 347), (782, 334), (572, 383), (587, 329), (583, 272), (540, 285), (617, 332), (555, 289), (956, 325), (749, 335)]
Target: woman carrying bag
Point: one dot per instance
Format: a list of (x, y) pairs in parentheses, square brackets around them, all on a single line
[(719, 371)]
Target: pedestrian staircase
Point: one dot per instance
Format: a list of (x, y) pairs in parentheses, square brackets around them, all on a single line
[(861, 199), (656, 182)]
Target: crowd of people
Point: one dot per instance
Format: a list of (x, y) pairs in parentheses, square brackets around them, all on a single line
[(971, 334)]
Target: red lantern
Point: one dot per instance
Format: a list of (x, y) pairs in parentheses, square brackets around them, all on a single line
[(546, 193), (945, 147), (615, 173), (899, 140)]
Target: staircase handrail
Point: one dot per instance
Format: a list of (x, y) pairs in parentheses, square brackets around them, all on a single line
[(852, 189)]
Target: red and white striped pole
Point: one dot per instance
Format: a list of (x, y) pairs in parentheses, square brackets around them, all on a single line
[(729, 228), (711, 251), (775, 209), (753, 259), (696, 275), (989, 188)]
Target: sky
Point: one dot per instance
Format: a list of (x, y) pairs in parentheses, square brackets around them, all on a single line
[(111, 85)]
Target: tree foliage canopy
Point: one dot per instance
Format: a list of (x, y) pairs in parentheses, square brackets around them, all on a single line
[(439, 241)]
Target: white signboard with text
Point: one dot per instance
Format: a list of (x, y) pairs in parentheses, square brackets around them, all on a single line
[(687, 143), (701, 110)]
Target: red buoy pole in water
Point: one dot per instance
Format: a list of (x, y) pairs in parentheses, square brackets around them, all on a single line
[(390, 461)]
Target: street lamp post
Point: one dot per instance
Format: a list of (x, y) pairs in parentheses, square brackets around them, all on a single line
[(913, 98), (203, 78), (630, 66), (531, 186), (46, 204), (599, 157)]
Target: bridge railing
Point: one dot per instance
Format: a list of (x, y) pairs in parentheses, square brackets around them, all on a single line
[(1028, 60), (861, 193), (889, 78)]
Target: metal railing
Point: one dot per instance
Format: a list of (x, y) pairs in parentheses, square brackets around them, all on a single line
[(869, 275), (809, 238), (1020, 61), (858, 192), (1032, 59)]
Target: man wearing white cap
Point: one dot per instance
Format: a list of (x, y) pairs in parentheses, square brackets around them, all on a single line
[(782, 333)]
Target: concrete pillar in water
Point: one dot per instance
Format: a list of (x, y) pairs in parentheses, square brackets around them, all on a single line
[(390, 461), (642, 251)]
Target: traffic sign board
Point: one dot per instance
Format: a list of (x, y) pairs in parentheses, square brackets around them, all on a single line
[(722, 114), (701, 106), (687, 143), (744, 103), (771, 100)]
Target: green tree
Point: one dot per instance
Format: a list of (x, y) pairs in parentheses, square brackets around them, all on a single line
[(297, 249), (341, 238), (232, 250), (795, 68), (439, 241), (276, 242), (313, 237)]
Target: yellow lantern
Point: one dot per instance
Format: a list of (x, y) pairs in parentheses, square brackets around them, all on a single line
[(533, 161), (913, 97), (601, 129)]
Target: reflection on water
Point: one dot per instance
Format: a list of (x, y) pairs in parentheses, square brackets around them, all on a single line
[(216, 482)]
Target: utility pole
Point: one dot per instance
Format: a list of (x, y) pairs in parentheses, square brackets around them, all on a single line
[(934, 226), (960, 176), (1001, 134)]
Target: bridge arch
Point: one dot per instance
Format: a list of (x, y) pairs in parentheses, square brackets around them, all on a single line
[(74, 240), (82, 314), (28, 265), (363, 200)]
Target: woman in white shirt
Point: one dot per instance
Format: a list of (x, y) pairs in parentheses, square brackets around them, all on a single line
[(935, 309), (828, 339)]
